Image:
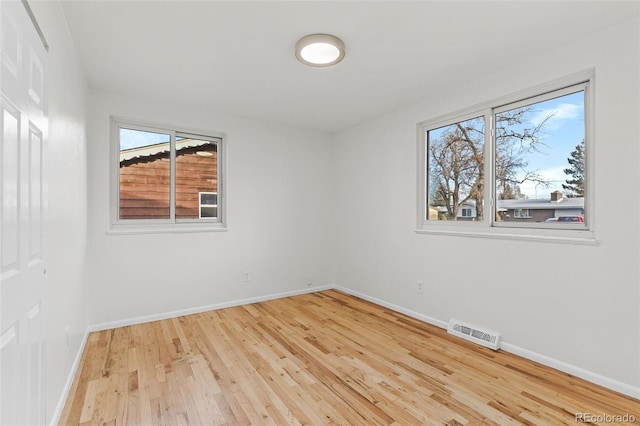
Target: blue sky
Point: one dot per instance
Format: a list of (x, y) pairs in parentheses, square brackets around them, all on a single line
[(561, 133), (136, 138)]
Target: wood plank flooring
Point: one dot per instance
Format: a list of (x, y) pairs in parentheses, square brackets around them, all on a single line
[(321, 358)]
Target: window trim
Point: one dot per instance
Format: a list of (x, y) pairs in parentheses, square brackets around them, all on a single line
[(171, 225), (489, 227)]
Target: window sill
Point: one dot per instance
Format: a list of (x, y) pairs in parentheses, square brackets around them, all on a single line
[(170, 228), (565, 236)]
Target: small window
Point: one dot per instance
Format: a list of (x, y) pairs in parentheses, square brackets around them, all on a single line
[(165, 177), (208, 204), (522, 213), (466, 212)]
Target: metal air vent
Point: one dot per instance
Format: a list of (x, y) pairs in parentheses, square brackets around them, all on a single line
[(484, 337)]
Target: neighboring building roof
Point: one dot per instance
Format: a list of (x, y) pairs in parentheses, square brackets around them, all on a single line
[(149, 150), (562, 203), (542, 204)]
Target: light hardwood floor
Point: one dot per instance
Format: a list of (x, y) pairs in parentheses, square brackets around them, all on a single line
[(321, 358)]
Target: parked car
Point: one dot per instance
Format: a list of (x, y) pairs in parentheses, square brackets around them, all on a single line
[(551, 220), (571, 219)]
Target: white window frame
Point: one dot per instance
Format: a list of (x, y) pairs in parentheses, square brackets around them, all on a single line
[(171, 225), (466, 209), (489, 227)]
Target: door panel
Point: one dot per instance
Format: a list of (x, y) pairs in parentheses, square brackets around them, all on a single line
[(23, 122), (35, 194), (9, 353), (34, 370), (10, 190), (36, 78)]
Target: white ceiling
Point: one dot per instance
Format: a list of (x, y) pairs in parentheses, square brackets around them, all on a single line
[(237, 57)]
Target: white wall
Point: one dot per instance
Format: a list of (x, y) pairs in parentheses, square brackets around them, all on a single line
[(279, 201), (576, 304), (67, 199)]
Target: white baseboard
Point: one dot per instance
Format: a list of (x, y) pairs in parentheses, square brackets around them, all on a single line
[(55, 417), (200, 309), (587, 375)]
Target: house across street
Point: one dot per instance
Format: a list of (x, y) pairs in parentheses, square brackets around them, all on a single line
[(524, 210)]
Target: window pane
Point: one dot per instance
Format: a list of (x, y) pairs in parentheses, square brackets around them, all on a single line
[(144, 175), (196, 173), (455, 171), (208, 205), (540, 162)]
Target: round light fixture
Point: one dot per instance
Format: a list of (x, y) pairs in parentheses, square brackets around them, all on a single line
[(320, 50)]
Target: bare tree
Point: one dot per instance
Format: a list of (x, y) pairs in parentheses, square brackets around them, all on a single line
[(456, 160), (513, 142), (457, 164)]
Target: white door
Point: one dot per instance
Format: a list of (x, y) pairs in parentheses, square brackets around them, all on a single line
[(23, 120)]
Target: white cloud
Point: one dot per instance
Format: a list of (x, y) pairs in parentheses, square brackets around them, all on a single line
[(557, 115)]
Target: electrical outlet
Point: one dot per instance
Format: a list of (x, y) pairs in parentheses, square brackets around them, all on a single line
[(420, 287), (246, 277), (309, 280), (67, 335)]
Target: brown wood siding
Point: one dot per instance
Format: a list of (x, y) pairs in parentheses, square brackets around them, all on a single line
[(144, 184), (194, 174), (144, 188)]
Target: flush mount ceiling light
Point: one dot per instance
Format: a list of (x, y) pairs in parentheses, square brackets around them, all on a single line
[(320, 50)]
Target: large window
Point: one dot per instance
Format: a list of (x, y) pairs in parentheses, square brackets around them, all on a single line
[(519, 162), (165, 179)]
